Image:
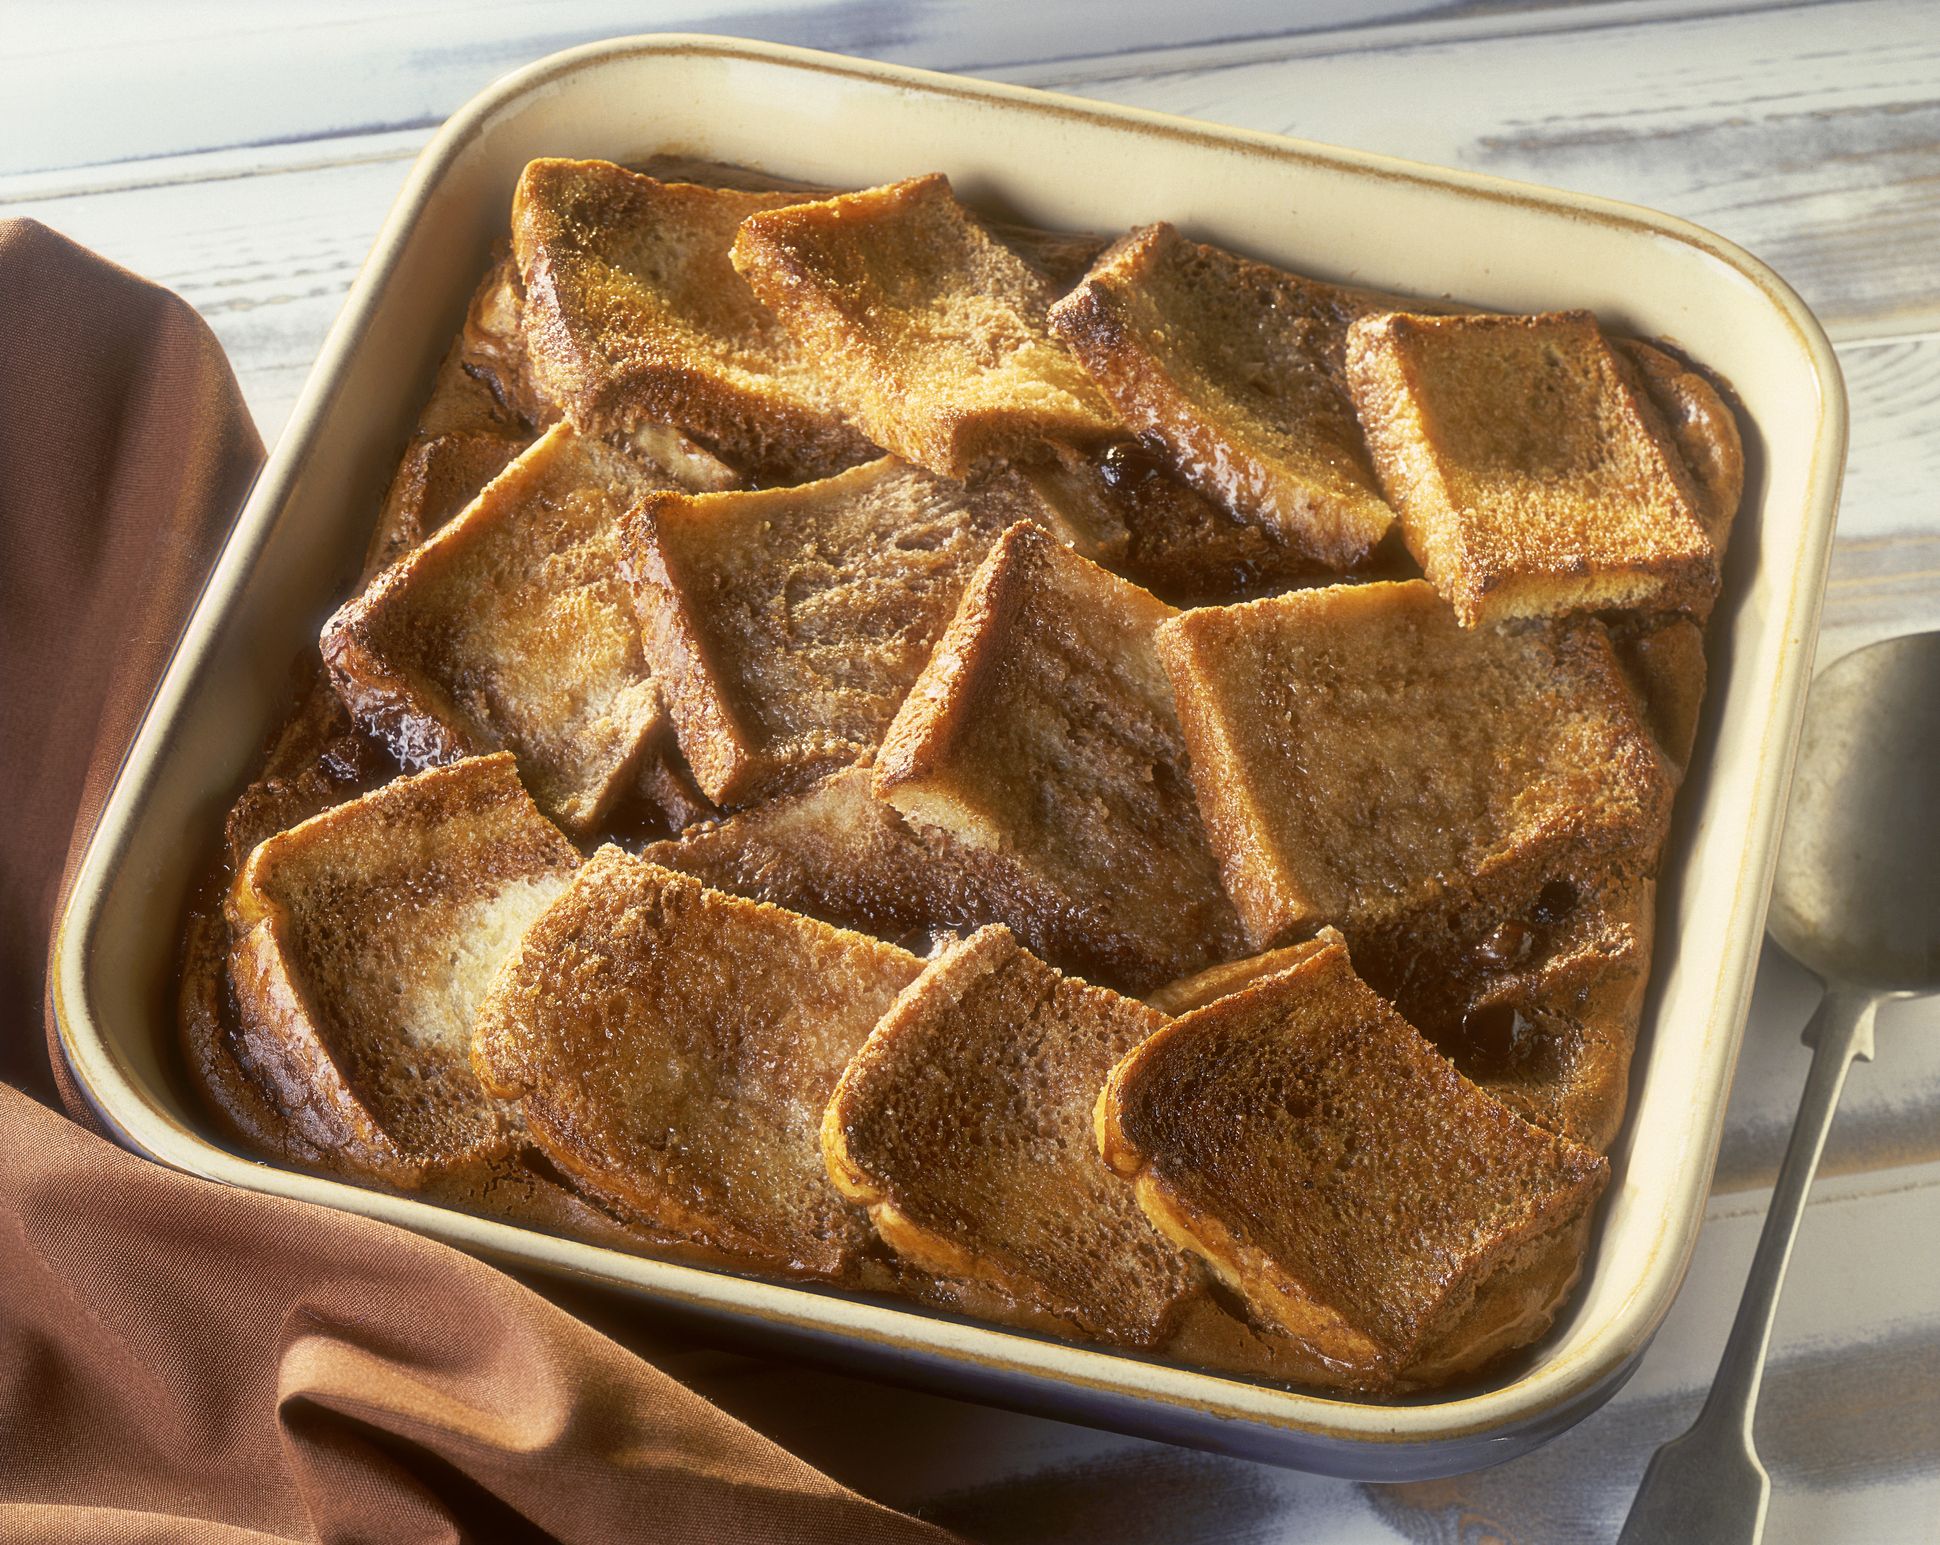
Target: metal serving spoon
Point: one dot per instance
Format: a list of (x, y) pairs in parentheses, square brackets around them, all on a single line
[(1857, 902)]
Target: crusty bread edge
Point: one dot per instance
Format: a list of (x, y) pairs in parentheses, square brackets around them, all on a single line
[(1265, 897)]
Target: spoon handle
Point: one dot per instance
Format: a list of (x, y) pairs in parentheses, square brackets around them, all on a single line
[(1709, 1485)]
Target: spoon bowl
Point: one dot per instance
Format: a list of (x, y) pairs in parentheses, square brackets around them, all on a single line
[(1857, 894)]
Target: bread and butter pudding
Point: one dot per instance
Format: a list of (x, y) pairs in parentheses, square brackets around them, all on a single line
[(1103, 786)]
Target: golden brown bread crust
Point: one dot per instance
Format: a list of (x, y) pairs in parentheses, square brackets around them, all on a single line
[(634, 314), (1226, 978), (1541, 1010), (1042, 733), (1335, 1170), (491, 347), (511, 628), (962, 1125), (1531, 476), (1236, 368), (785, 626), (316, 759), (690, 1097), (928, 330), (1359, 757), (1703, 428), (1549, 1032), (363, 940)]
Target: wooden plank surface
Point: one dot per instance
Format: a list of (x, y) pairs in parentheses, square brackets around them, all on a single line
[(245, 155)]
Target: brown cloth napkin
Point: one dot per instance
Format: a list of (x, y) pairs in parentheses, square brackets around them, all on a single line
[(182, 1361)]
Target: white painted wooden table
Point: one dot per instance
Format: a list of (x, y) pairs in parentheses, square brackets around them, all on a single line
[(245, 154)]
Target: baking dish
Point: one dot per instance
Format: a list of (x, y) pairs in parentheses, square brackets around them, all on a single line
[(1065, 163)]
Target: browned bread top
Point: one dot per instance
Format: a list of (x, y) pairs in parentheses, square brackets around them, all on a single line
[(1236, 368), (440, 475), (511, 628), (929, 330), (836, 852), (1129, 511), (1335, 1169), (672, 1049), (786, 625), (1702, 426), (1531, 475), (1359, 756), (364, 940), (633, 313), (964, 1126), (1042, 732)]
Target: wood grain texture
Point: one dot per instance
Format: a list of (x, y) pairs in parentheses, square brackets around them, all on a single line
[(245, 155)]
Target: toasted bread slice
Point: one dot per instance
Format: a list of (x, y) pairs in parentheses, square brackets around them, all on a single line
[(963, 1126), (1360, 757), (1336, 1171), (1540, 1009), (1042, 733), (672, 1049), (1122, 505), (439, 475), (512, 628), (364, 941), (1237, 369), (1664, 658), (491, 347), (835, 852), (633, 314), (1228, 977), (1553, 1041), (929, 330), (316, 759), (786, 625), (1531, 476), (1703, 428)]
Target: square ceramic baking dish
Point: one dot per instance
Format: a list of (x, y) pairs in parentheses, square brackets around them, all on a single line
[(1065, 163)]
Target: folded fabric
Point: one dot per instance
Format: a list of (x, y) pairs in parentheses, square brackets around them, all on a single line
[(183, 1361)]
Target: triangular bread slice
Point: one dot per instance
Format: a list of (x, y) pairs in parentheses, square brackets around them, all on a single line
[(512, 628), (1042, 733), (1532, 475), (364, 941), (785, 625), (1236, 368), (1337, 1172), (634, 314), (928, 329), (963, 1125), (1360, 757), (1538, 1003), (672, 1049)]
